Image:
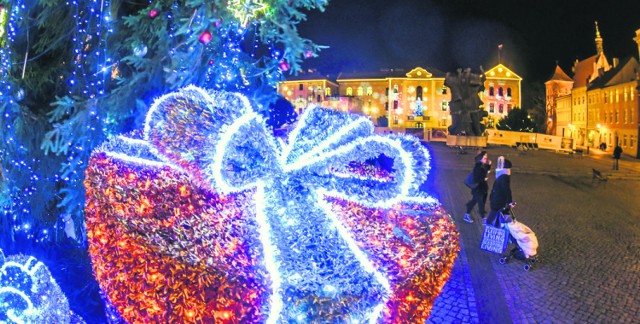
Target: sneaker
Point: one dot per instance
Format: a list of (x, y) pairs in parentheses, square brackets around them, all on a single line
[(467, 218)]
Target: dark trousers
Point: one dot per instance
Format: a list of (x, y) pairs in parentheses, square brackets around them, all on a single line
[(480, 198)]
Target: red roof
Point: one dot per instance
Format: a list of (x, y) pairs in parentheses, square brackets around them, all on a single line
[(583, 70), (559, 75)]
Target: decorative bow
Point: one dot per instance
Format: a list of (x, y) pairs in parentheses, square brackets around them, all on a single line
[(310, 255)]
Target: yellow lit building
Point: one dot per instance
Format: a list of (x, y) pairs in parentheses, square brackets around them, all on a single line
[(501, 94), (308, 88), (411, 101), (599, 105)]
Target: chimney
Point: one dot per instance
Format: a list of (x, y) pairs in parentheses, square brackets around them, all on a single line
[(616, 61), (637, 39)]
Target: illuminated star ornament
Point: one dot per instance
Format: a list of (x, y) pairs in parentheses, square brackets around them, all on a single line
[(28, 293), (226, 223), (245, 10)]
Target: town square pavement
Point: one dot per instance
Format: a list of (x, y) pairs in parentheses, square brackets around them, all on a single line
[(588, 231)]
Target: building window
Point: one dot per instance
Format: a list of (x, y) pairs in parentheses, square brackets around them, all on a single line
[(410, 117), (360, 91), (632, 92), (395, 119), (508, 108), (301, 87), (445, 105), (508, 92), (605, 98), (501, 108), (492, 107), (500, 92), (419, 93), (309, 98), (625, 95), (626, 111), (611, 117), (617, 96), (369, 91), (616, 116), (349, 91), (632, 140), (395, 104), (386, 92), (327, 92), (386, 106), (319, 98), (444, 89), (624, 140), (491, 92)]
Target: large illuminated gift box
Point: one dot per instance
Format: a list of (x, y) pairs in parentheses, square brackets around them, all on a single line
[(205, 217)]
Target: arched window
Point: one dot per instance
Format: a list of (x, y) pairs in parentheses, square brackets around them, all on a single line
[(419, 93), (360, 91), (500, 92), (501, 108), (349, 91), (491, 92), (319, 98), (508, 92)]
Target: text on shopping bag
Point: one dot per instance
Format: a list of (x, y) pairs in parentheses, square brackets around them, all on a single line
[(494, 239)]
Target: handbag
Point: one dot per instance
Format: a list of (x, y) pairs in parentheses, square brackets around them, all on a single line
[(495, 239), (469, 181)]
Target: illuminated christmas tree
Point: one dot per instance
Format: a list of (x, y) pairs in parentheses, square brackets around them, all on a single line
[(77, 73)]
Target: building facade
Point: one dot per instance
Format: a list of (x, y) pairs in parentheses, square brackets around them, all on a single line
[(599, 106), (412, 101)]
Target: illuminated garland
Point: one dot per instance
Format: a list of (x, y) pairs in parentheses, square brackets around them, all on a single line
[(28, 293), (245, 229)]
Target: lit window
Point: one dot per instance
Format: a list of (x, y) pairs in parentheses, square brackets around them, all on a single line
[(360, 91), (419, 93), (445, 105), (327, 92), (508, 108), (349, 91), (492, 107), (631, 92), (500, 92), (369, 91), (625, 95), (501, 108), (617, 96)]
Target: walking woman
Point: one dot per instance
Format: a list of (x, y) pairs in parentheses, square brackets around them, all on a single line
[(481, 169)]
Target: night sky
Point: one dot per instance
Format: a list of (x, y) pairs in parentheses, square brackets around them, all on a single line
[(447, 34)]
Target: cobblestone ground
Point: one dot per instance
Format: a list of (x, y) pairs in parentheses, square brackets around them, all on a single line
[(589, 235)]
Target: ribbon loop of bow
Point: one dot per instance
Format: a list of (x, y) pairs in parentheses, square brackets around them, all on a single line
[(222, 143)]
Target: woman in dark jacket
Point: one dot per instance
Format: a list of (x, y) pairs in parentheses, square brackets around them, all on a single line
[(479, 193), (501, 191)]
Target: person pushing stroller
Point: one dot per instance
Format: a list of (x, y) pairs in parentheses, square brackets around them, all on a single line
[(500, 214), (500, 197)]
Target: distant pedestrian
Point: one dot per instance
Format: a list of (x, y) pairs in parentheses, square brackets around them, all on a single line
[(478, 185), (501, 191), (617, 151)]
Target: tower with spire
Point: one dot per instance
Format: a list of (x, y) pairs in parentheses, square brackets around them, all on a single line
[(599, 48)]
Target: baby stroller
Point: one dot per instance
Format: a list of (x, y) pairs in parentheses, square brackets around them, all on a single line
[(522, 237)]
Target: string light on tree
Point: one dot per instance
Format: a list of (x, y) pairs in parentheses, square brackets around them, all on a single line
[(245, 10)]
